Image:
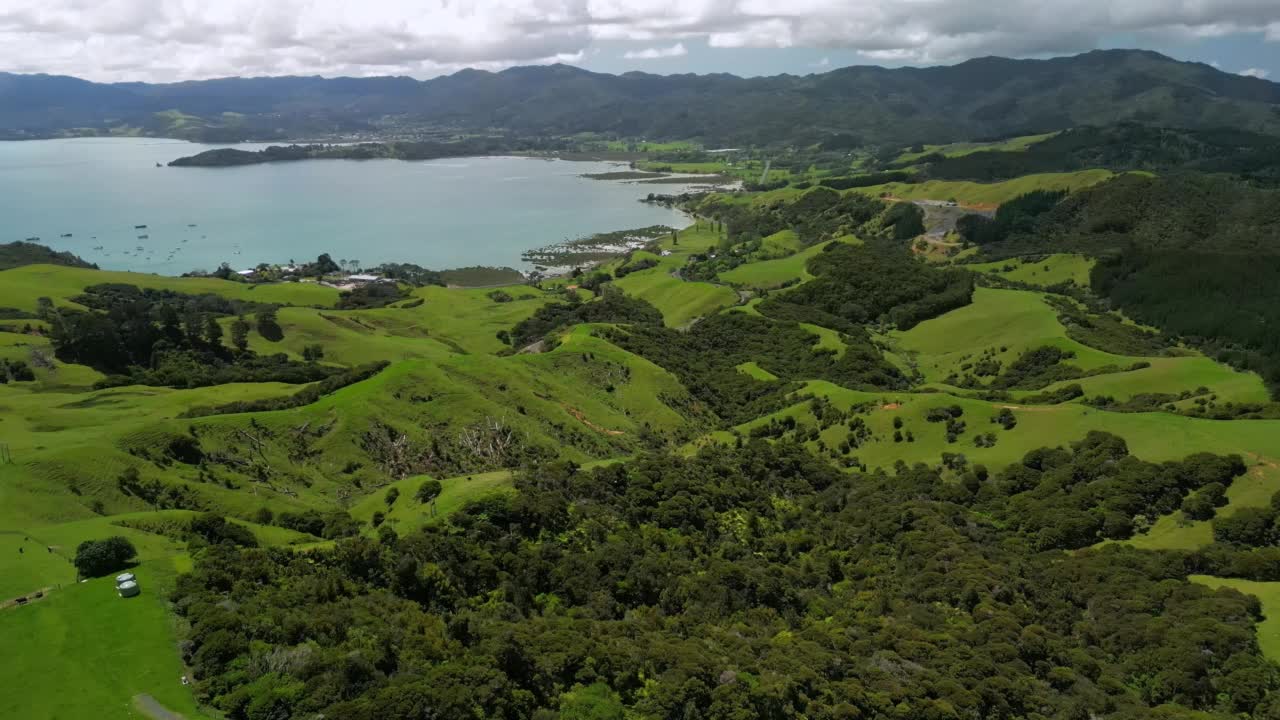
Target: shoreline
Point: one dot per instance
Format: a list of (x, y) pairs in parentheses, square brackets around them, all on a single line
[(416, 238)]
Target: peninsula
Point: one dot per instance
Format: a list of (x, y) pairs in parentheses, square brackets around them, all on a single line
[(424, 150)]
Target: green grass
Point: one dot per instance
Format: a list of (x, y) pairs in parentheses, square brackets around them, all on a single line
[(1014, 319), (828, 339), (1151, 436), (408, 514), (1018, 321), (32, 569), (20, 287), (988, 194), (755, 371), (1177, 532), (679, 301), (1269, 594), (1052, 270), (769, 274), (1173, 375), (84, 652)]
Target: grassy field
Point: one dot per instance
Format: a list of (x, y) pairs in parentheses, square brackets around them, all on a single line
[(1014, 321), (680, 301), (755, 371), (1269, 594), (33, 568), (1151, 436), (20, 287), (1052, 270), (769, 274), (85, 652), (988, 194)]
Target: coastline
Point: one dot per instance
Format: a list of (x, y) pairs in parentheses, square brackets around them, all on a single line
[(486, 211)]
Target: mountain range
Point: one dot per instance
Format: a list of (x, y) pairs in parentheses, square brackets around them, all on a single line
[(983, 97)]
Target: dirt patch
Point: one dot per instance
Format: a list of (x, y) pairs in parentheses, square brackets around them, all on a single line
[(583, 419), (152, 708), (1030, 408), (891, 406), (34, 596)]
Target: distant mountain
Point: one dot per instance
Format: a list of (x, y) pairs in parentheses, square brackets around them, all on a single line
[(979, 98)]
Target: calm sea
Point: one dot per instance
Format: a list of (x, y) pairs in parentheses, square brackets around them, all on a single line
[(438, 213)]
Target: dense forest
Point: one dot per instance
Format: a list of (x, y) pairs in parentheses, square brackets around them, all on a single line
[(753, 582), (879, 282)]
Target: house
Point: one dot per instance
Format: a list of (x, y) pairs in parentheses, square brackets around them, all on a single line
[(363, 278)]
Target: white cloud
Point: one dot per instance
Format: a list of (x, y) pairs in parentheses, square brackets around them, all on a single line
[(172, 39), (1255, 72), (657, 53), (823, 63)]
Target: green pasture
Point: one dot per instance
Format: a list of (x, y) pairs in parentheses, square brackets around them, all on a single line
[(974, 193), (1052, 270)]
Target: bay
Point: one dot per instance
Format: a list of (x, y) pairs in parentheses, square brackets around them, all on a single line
[(437, 213)]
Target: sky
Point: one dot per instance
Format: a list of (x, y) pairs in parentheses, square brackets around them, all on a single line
[(170, 40)]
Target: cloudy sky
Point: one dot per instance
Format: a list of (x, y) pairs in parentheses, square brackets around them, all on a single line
[(163, 40)]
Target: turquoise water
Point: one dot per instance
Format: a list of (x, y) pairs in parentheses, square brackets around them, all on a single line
[(437, 213)]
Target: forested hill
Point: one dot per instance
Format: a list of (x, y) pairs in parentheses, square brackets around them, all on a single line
[(17, 254), (977, 98)]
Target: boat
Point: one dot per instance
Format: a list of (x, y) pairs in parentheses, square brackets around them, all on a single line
[(139, 227), (65, 235), (191, 224), (159, 165), (33, 239), (143, 237)]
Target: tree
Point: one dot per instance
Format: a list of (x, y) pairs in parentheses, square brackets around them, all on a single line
[(240, 334), (324, 265), (429, 490), (313, 353), (269, 326), (212, 331), (391, 496), (95, 558)]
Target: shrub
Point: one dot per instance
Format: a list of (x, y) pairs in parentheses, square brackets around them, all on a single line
[(428, 491)]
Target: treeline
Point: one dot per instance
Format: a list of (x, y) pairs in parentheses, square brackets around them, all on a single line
[(152, 337), (1126, 146), (739, 582), (1095, 490), (878, 178), (612, 306), (816, 215), (878, 282), (305, 396), (1015, 216), (706, 358)]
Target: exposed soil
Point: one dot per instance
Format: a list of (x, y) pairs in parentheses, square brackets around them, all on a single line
[(583, 419), (152, 708)]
